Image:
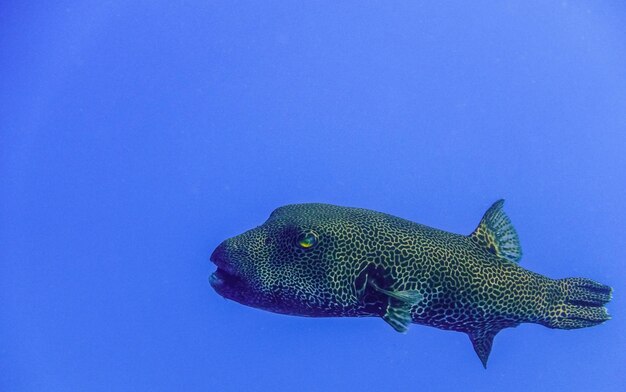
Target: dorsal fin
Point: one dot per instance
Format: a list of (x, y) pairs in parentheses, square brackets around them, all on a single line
[(482, 340), (496, 234)]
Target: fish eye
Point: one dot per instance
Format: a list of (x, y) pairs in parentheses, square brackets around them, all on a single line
[(307, 240)]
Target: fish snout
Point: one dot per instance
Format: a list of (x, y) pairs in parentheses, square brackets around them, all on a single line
[(219, 256), (226, 274)]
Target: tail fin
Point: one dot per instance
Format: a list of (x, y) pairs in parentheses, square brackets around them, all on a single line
[(577, 303)]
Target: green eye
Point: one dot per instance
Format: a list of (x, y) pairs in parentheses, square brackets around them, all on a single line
[(307, 240)]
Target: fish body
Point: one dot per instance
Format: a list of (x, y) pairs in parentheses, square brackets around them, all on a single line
[(321, 260)]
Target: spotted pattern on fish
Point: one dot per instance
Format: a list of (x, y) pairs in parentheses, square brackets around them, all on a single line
[(322, 260)]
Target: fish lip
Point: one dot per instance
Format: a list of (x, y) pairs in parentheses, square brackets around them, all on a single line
[(226, 279), (225, 283), (215, 280)]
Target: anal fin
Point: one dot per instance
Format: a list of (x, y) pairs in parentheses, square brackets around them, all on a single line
[(482, 340)]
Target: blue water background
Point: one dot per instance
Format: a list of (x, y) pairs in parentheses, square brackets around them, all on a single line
[(136, 136)]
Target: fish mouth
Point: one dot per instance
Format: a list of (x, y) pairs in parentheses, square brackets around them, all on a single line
[(222, 277), (225, 276)]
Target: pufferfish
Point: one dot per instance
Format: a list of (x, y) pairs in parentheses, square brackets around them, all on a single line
[(322, 260)]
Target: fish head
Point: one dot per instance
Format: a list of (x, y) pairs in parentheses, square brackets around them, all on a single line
[(302, 261)]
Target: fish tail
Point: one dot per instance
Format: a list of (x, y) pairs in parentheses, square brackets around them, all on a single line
[(577, 303)]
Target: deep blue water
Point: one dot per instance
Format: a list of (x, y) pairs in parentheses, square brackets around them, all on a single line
[(134, 138)]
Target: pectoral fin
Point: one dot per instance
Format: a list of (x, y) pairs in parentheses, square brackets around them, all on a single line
[(399, 317), (398, 312)]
